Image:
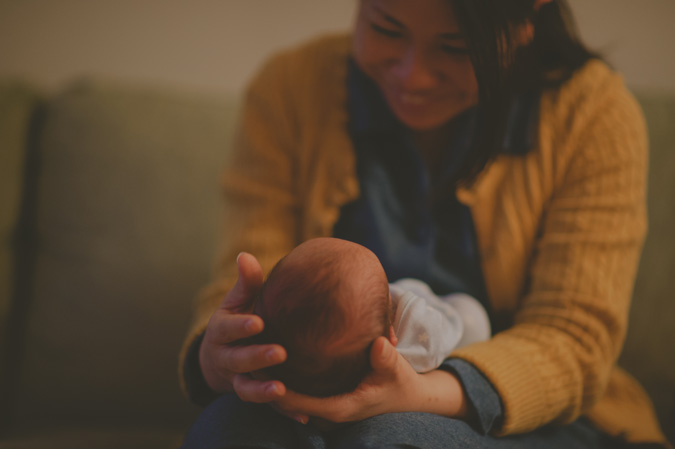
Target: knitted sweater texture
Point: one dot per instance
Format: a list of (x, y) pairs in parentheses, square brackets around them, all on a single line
[(559, 229)]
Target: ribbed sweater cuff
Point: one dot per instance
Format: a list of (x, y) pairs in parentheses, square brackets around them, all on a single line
[(525, 398)]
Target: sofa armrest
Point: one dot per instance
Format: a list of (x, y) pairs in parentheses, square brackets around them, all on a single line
[(19, 104)]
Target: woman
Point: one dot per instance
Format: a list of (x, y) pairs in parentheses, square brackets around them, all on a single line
[(478, 146)]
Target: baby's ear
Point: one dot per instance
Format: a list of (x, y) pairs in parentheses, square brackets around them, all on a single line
[(392, 336)]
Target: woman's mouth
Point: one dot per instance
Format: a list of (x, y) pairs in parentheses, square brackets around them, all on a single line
[(413, 99)]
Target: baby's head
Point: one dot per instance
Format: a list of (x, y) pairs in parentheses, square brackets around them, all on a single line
[(325, 302)]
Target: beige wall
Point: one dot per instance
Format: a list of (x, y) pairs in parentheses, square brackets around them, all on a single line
[(216, 44), (636, 36)]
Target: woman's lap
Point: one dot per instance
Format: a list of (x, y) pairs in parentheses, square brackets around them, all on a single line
[(230, 423)]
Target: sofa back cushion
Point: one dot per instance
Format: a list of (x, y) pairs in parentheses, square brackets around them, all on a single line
[(127, 215)]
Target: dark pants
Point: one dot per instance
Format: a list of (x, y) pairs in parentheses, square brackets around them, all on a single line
[(230, 423)]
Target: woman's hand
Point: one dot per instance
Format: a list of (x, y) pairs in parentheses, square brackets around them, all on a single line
[(393, 386), (223, 364)]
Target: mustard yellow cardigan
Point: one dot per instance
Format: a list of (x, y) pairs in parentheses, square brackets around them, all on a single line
[(559, 230)]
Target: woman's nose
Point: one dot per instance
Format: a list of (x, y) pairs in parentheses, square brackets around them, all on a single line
[(414, 72)]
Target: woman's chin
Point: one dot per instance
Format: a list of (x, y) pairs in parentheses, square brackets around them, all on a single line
[(419, 124)]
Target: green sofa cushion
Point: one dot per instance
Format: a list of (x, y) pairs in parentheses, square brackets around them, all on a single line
[(128, 209)]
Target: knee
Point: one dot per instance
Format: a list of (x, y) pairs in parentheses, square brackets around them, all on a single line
[(230, 423), (409, 430)]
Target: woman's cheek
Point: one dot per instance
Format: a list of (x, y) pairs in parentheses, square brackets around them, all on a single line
[(375, 58)]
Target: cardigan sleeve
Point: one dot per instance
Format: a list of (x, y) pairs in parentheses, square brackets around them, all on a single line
[(554, 362), (260, 202)]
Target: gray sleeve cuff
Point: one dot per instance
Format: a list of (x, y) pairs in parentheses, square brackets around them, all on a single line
[(487, 411)]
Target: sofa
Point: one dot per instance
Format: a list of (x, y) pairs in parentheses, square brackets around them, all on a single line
[(109, 211)]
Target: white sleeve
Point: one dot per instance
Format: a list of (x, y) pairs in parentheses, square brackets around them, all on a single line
[(475, 318), (429, 328), (425, 335)]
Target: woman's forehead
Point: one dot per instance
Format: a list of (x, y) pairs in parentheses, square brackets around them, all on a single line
[(433, 15)]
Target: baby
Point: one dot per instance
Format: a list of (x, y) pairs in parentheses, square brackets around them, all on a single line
[(329, 299)]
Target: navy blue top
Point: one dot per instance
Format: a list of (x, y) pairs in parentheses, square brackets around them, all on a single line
[(393, 218)]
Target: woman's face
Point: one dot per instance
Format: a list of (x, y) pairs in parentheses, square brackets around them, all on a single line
[(414, 52)]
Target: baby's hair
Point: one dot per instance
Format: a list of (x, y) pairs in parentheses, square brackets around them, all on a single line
[(328, 340)]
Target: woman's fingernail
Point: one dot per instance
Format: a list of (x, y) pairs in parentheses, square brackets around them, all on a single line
[(239, 255), (272, 355), (384, 352), (250, 325), (272, 389), (302, 419)]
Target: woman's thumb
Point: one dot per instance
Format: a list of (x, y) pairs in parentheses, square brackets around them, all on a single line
[(248, 283), (383, 355)]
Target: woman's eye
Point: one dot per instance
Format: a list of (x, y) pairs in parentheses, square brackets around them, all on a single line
[(452, 50), (385, 31)]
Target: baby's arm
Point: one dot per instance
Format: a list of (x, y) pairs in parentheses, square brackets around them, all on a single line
[(475, 318), (430, 328)]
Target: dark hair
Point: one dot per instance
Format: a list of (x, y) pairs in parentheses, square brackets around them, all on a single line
[(553, 56), (302, 312)]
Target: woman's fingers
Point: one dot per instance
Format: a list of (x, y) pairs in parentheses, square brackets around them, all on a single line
[(299, 417), (221, 361), (335, 408), (226, 327), (245, 359), (251, 390), (248, 283), (223, 355), (360, 403), (383, 356)]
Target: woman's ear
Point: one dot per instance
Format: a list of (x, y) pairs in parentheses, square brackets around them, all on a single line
[(524, 34), (539, 3), (525, 31)]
